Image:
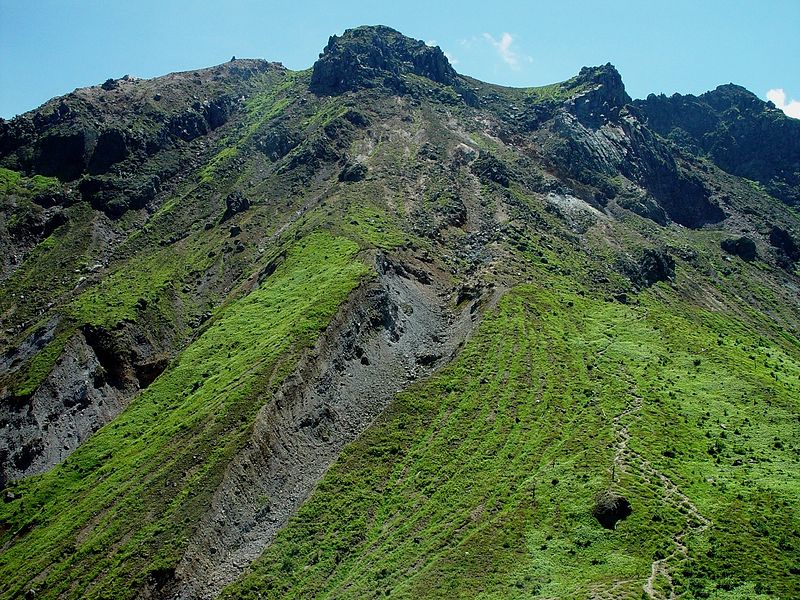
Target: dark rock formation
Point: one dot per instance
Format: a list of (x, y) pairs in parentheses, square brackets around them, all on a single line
[(741, 133), (98, 372), (33, 227), (64, 154), (610, 508), (490, 169), (114, 195), (353, 172), (111, 148), (110, 84), (786, 244), (277, 142), (645, 206), (652, 266), (604, 97), (656, 265), (598, 136), (370, 56), (743, 247), (235, 203)]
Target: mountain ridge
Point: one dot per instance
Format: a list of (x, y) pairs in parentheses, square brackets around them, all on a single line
[(358, 330)]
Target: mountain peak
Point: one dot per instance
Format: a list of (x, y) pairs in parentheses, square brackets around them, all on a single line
[(609, 78), (730, 95), (370, 55)]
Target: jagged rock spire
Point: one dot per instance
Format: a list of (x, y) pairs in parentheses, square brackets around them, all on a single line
[(374, 55)]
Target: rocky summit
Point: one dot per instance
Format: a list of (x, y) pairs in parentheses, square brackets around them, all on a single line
[(377, 328)]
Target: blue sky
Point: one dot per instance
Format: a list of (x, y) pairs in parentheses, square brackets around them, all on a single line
[(50, 47)]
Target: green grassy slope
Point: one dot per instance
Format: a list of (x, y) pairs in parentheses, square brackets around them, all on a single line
[(117, 511), (480, 482)]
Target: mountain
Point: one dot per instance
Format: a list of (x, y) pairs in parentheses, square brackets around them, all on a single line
[(377, 328)]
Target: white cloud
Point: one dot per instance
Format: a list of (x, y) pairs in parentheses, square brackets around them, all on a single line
[(778, 97), (453, 60), (433, 44), (503, 47)]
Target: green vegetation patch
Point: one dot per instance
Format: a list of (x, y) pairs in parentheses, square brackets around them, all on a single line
[(17, 183), (117, 514), (41, 365), (8, 180), (208, 172), (481, 481)]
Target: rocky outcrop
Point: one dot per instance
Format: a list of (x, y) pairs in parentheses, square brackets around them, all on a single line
[(116, 195), (235, 203), (595, 148), (741, 133), (743, 247), (277, 142), (377, 55), (648, 268), (391, 332), (118, 146), (786, 245), (96, 375), (603, 98), (353, 172)]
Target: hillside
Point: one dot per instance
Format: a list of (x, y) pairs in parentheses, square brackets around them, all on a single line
[(377, 328)]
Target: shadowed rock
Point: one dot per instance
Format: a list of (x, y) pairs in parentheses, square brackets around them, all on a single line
[(610, 508), (743, 247), (740, 132), (234, 204), (787, 245)]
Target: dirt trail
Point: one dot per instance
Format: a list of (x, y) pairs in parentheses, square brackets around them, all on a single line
[(659, 584), (392, 331)]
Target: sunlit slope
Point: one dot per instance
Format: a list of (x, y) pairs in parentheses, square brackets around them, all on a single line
[(121, 508), (481, 482)]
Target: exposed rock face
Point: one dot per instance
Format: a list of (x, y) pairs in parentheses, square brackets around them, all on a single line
[(368, 56), (656, 265), (599, 136), (14, 358), (98, 372), (119, 145), (743, 247), (604, 98), (36, 226), (68, 144), (741, 133), (652, 266), (787, 245), (391, 331), (116, 195)]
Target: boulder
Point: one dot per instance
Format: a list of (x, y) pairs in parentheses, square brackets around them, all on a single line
[(610, 508), (656, 265), (235, 203), (353, 172), (743, 247)]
